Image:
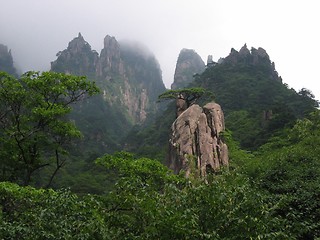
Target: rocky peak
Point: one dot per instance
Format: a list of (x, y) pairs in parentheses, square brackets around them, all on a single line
[(3, 50), (259, 55), (110, 58), (244, 51), (77, 44), (77, 59), (128, 80), (188, 64), (196, 146), (256, 57), (6, 60)]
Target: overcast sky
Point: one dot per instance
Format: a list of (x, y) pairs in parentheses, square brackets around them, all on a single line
[(36, 30)]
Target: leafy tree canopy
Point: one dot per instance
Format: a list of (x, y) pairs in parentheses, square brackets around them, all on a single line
[(190, 95), (34, 130)]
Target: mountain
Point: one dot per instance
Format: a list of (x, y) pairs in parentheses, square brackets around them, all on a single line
[(6, 61), (188, 64), (77, 59), (129, 78), (130, 81), (255, 101)]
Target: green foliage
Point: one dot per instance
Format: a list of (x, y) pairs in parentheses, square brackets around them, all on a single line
[(27, 213), (150, 140), (149, 172), (244, 127), (34, 131), (247, 91), (288, 169), (190, 95), (148, 202)]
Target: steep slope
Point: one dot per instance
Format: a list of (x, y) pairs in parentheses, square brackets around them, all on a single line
[(188, 64), (255, 101), (130, 81), (6, 61), (77, 59), (129, 78)]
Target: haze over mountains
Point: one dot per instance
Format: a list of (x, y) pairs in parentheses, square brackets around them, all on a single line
[(242, 158), (245, 83)]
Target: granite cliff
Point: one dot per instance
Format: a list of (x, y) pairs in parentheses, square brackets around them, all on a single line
[(195, 144), (130, 81), (188, 64), (127, 78)]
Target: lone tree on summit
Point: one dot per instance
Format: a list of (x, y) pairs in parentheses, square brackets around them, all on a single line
[(185, 97)]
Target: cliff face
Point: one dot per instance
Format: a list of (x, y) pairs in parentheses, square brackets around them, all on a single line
[(128, 80), (6, 61), (110, 62), (188, 64), (257, 58), (195, 142), (78, 58)]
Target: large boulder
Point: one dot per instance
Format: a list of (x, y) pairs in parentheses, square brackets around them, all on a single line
[(195, 144)]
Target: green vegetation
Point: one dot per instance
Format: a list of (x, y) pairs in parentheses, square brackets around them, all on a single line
[(247, 93), (34, 130), (271, 194), (270, 191), (189, 95), (287, 168), (147, 202)]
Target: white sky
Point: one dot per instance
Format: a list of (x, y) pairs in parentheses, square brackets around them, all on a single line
[(36, 30)]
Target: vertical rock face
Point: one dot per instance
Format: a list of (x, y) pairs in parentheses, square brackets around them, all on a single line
[(129, 80), (195, 142), (78, 58), (144, 78), (6, 61), (188, 64), (110, 60)]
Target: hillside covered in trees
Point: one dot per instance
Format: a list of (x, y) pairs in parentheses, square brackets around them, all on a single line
[(58, 181)]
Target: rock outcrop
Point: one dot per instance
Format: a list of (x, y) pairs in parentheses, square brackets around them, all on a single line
[(188, 64), (77, 59), (110, 62), (195, 144), (129, 80), (254, 58), (6, 61)]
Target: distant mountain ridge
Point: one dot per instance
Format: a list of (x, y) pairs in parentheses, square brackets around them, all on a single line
[(252, 95), (6, 61), (130, 81), (126, 77)]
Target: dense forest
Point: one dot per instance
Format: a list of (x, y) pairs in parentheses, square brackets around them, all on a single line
[(50, 189)]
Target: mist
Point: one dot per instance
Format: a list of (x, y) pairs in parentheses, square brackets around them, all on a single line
[(36, 30)]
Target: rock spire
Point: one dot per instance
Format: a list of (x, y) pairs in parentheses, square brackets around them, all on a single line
[(195, 144), (188, 64)]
